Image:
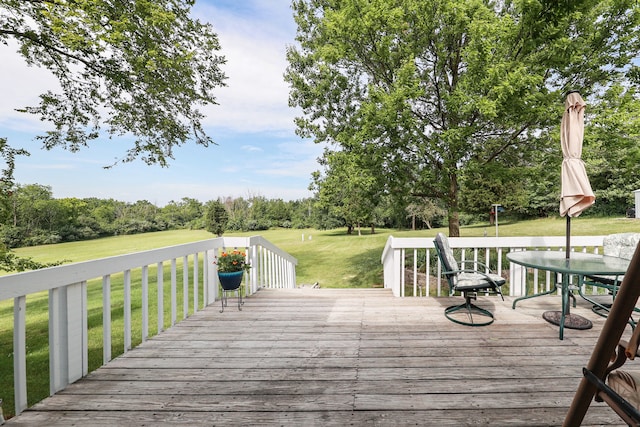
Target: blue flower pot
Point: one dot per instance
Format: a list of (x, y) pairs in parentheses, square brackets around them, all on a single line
[(230, 281)]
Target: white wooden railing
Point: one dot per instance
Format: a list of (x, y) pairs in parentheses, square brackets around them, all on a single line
[(404, 258), (67, 299)]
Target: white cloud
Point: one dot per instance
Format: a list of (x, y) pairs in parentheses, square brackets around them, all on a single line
[(54, 166), (256, 98), (294, 159), (21, 84), (251, 148)]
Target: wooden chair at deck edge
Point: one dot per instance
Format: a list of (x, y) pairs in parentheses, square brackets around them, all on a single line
[(609, 354), (619, 381)]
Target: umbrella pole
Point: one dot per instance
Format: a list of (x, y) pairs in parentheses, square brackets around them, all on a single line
[(568, 234)]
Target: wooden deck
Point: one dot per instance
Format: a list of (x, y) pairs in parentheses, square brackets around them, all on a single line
[(335, 358)]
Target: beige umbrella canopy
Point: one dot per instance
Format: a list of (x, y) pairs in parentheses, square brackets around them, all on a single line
[(576, 194)]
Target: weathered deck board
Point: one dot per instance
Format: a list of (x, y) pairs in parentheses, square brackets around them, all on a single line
[(339, 357)]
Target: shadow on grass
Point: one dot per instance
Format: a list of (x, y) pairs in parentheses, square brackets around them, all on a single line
[(487, 225), (367, 269), (342, 232)]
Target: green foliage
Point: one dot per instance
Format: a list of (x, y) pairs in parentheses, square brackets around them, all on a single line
[(427, 212), (216, 218), (483, 186), (141, 68), (9, 261), (612, 150), (348, 189), (438, 92)]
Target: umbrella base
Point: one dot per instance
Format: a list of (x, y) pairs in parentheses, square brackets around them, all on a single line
[(571, 321)]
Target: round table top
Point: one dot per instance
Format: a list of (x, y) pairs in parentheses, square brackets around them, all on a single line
[(577, 263)]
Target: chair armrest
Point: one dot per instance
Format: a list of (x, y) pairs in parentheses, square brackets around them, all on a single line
[(491, 283), (486, 276), (470, 270), (605, 393)]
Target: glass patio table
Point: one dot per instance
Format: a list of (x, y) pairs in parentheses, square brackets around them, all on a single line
[(578, 264)]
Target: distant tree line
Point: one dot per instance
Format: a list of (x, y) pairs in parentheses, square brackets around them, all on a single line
[(30, 215)]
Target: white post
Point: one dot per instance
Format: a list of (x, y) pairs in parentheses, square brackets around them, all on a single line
[(637, 194), (211, 276), (160, 287), (495, 213), (145, 302), (20, 353), (67, 335), (196, 279), (106, 319)]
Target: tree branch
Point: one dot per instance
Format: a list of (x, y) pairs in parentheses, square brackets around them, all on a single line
[(36, 39)]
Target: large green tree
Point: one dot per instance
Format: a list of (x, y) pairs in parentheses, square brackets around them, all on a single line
[(612, 149), (140, 68), (435, 86), (216, 218), (347, 188)]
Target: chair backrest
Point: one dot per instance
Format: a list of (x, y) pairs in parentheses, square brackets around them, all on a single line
[(621, 245), (445, 254)]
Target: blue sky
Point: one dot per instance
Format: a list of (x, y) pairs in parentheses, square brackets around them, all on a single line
[(258, 153)]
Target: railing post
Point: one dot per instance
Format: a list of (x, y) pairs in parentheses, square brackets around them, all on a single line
[(145, 302), (160, 286), (196, 278), (68, 349), (174, 293), (185, 286), (253, 272), (127, 310), (20, 353), (106, 319), (293, 274), (397, 273), (517, 279), (211, 276)]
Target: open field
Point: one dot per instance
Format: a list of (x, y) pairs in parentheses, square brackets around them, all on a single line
[(330, 257)]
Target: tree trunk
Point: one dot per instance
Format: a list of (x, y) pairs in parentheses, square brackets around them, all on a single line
[(454, 218), (454, 224)]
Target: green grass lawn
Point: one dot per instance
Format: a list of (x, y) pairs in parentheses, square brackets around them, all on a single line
[(332, 258)]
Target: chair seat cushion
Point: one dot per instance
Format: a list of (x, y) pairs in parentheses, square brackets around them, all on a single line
[(470, 281), (625, 383)]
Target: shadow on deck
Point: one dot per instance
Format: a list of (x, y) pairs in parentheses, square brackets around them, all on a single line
[(339, 357)]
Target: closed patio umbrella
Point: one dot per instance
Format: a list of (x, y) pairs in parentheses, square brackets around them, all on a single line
[(576, 194)]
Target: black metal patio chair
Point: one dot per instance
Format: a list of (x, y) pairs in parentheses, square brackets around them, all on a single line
[(469, 282), (621, 245)]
